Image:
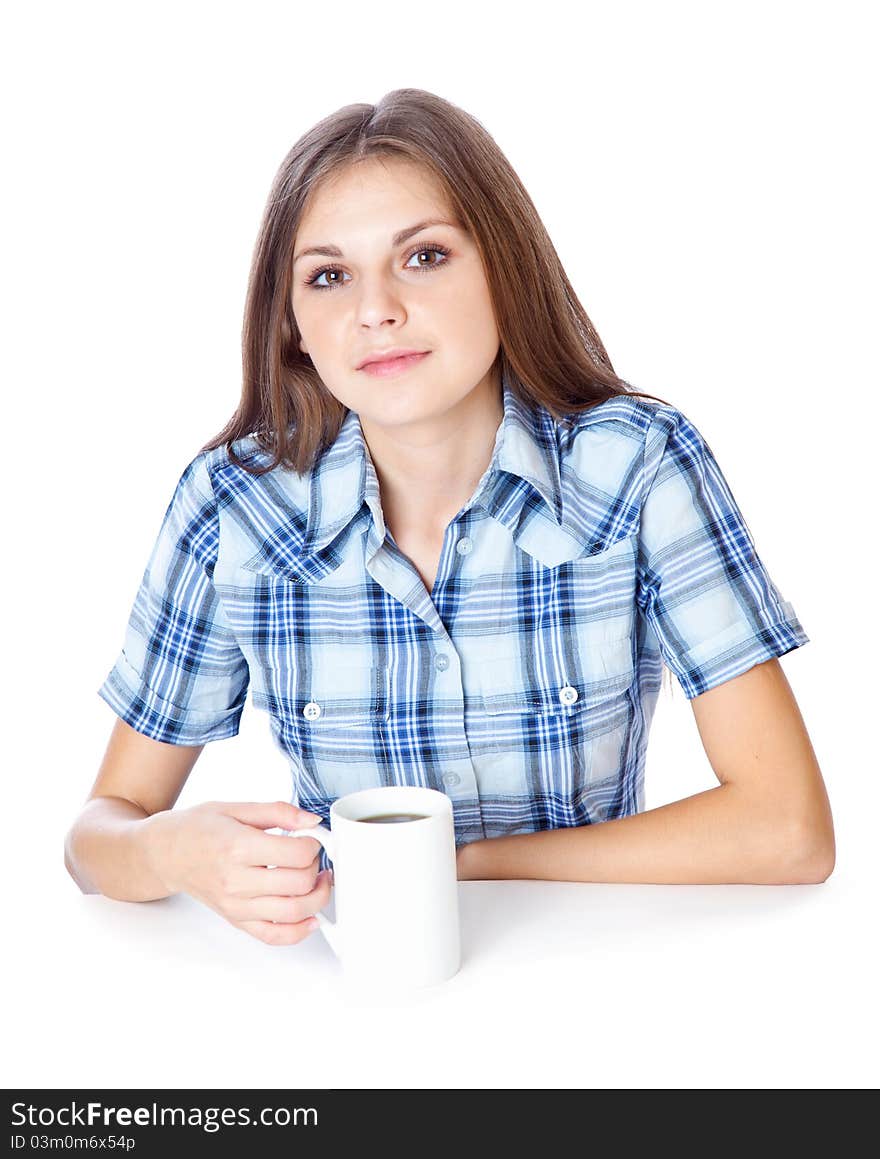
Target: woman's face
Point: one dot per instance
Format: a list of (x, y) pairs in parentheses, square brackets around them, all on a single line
[(381, 292)]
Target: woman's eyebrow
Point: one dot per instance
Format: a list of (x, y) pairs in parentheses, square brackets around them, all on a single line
[(333, 251)]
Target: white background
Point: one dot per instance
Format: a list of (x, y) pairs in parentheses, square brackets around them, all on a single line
[(706, 173)]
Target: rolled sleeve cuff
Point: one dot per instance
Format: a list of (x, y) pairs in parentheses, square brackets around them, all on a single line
[(145, 711), (737, 649)]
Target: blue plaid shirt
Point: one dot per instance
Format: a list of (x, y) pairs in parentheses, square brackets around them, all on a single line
[(524, 684)]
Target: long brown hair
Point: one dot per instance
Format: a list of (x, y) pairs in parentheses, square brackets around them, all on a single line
[(549, 349)]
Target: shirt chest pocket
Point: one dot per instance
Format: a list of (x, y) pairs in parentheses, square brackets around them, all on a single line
[(573, 718), (338, 717), (342, 696)]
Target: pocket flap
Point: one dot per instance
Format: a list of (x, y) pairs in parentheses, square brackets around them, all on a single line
[(605, 673)]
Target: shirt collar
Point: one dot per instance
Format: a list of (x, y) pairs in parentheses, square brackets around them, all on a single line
[(344, 477)]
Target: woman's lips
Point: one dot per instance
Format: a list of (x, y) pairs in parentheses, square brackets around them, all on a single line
[(392, 366)]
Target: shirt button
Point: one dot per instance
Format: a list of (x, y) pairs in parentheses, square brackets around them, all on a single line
[(451, 779), (312, 711), (441, 662), (568, 695), (465, 545)]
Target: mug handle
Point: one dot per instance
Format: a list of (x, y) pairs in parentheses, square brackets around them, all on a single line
[(329, 929)]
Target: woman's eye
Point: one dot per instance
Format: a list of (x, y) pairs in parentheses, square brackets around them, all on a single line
[(313, 280), (429, 249), (422, 267)]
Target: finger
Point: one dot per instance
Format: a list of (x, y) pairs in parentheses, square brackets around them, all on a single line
[(287, 852), (270, 814), (288, 910), (258, 881), (279, 933)]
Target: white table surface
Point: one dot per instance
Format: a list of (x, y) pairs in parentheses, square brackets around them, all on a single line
[(562, 984)]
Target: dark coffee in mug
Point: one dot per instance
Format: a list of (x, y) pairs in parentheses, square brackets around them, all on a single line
[(393, 818)]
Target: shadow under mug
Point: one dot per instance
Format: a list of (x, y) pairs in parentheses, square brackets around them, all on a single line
[(395, 886)]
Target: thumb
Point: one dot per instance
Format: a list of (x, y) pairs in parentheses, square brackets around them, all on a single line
[(271, 814)]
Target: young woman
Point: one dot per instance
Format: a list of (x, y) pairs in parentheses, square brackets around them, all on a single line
[(443, 544)]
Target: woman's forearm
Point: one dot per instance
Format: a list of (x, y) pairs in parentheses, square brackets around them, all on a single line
[(715, 837), (109, 849)]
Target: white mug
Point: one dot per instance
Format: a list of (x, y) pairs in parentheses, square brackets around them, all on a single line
[(395, 887)]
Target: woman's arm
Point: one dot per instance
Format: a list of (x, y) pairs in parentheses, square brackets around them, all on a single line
[(109, 850), (110, 846), (713, 837), (768, 822)]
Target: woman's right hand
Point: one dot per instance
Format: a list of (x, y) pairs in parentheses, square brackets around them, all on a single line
[(265, 884)]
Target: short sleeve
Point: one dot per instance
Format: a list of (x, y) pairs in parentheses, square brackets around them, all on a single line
[(181, 676), (701, 584)]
